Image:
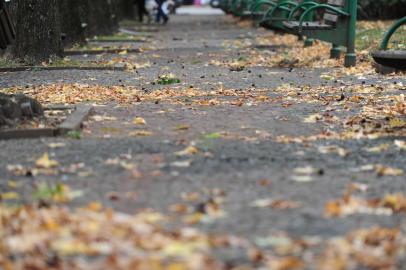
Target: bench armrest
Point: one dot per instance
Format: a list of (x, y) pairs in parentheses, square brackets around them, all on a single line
[(321, 6), (234, 5), (304, 6), (391, 31), (259, 3), (269, 13)]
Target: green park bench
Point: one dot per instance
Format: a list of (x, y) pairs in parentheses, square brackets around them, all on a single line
[(337, 26), (391, 58), (285, 10), (7, 31), (240, 8), (276, 15), (259, 7), (223, 5)]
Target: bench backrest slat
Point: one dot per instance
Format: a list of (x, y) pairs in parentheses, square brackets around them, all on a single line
[(338, 3), (329, 16)]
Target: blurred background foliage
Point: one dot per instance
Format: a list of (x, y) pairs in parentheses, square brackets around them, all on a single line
[(381, 9)]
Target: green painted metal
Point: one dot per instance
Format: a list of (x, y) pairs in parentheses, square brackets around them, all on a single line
[(302, 6), (350, 56), (335, 52), (274, 17), (320, 6), (341, 34), (235, 7), (283, 9), (308, 42), (256, 9), (257, 4), (391, 31)]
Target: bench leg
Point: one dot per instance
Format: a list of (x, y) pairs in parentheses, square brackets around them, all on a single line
[(308, 42), (335, 52), (350, 59)]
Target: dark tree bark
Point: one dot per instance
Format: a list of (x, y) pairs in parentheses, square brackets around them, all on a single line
[(101, 19), (12, 9), (125, 9), (72, 21), (38, 31)]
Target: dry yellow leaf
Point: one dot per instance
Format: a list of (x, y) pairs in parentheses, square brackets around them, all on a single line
[(9, 196), (400, 144), (387, 171), (378, 148), (45, 163), (12, 184), (188, 151), (313, 118), (396, 123), (140, 133), (139, 121)]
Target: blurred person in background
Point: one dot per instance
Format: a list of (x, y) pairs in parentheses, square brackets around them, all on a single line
[(142, 10), (161, 12)]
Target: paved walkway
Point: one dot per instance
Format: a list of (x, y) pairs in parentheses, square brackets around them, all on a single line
[(257, 149)]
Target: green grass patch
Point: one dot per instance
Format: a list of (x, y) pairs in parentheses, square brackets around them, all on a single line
[(214, 135), (370, 38), (134, 23), (77, 135), (55, 192), (96, 47), (7, 63), (168, 79)]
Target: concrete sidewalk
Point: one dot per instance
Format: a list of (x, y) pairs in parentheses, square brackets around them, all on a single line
[(287, 158)]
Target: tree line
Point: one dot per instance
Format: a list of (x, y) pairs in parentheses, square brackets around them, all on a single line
[(44, 27)]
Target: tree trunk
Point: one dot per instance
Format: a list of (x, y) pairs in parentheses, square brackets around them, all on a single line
[(38, 31), (12, 9), (73, 29), (101, 18), (125, 9)]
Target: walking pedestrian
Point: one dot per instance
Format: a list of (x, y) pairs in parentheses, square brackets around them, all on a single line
[(142, 10), (160, 12)]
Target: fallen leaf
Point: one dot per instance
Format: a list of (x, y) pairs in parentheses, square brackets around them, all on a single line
[(45, 163), (396, 123), (56, 145), (379, 148), (302, 178), (401, 145), (9, 196), (382, 170), (305, 170), (188, 151), (140, 133), (182, 164), (314, 118), (327, 77), (139, 121), (182, 127), (280, 204)]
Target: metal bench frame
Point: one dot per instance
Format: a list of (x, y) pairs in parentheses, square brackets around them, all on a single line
[(343, 14)]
